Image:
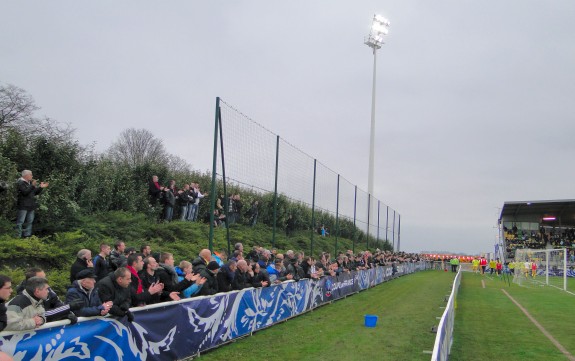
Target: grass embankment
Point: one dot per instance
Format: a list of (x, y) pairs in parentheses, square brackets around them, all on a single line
[(57, 252), (489, 326), (407, 308)]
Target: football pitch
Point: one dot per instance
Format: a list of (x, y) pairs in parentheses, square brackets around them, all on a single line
[(489, 325)]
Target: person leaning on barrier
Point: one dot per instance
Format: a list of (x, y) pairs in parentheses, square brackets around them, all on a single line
[(226, 276), (54, 308), (116, 288), (260, 277), (140, 295), (242, 275), (210, 287), (169, 277), (83, 298), (26, 311), (200, 262), (183, 270)]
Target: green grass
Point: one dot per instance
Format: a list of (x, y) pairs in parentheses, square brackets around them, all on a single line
[(489, 326), (407, 308)]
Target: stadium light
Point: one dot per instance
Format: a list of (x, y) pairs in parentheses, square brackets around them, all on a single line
[(549, 218), (379, 28)]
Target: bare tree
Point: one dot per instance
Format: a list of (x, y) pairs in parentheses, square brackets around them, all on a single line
[(135, 147), (16, 107), (178, 165)]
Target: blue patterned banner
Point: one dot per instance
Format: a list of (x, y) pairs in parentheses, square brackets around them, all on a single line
[(177, 330)]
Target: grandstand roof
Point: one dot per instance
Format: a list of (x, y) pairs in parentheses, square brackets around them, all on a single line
[(562, 210)]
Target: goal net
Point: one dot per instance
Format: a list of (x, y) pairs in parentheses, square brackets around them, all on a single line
[(534, 267)]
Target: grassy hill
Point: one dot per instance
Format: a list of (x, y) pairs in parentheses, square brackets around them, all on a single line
[(57, 252)]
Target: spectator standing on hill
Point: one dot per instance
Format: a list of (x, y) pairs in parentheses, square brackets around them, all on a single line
[(116, 288), (84, 297), (195, 203), (253, 213), (184, 201), (169, 201), (154, 190), (83, 261), (26, 310), (117, 257), (28, 189), (101, 265), (290, 226)]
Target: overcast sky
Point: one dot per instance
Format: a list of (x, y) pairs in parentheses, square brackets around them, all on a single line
[(474, 99)]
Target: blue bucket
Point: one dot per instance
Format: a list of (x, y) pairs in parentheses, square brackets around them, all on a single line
[(370, 320)]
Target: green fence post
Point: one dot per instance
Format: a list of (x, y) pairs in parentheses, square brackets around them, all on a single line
[(336, 217), (313, 207), (354, 218), (214, 165), (276, 193), (368, 214)]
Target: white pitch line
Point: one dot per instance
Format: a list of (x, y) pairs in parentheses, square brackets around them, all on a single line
[(541, 328)]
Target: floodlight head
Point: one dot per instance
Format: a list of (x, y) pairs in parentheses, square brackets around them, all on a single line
[(379, 28)]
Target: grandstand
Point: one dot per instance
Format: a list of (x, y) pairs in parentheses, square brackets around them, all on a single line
[(538, 225)]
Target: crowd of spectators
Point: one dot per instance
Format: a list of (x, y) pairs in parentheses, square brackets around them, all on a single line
[(543, 238), (177, 203), (114, 281)]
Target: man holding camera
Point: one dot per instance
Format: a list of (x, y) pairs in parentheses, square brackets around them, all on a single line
[(28, 189)]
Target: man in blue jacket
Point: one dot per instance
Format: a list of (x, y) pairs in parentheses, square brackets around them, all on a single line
[(83, 298)]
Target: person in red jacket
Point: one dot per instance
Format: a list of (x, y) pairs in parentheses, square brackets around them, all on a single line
[(483, 264)]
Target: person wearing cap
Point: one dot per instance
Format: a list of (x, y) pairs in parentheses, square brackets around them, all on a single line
[(83, 298), (209, 273)]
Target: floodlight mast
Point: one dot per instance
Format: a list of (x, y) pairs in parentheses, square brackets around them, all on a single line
[(374, 40)]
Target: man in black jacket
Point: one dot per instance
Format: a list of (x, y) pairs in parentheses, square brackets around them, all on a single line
[(169, 278), (28, 189), (116, 288), (83, 261), (209, 273)]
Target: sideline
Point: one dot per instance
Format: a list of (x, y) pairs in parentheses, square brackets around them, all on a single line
[(543, 330)]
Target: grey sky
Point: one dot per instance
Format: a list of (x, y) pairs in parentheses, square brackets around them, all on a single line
[(474, 103)]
